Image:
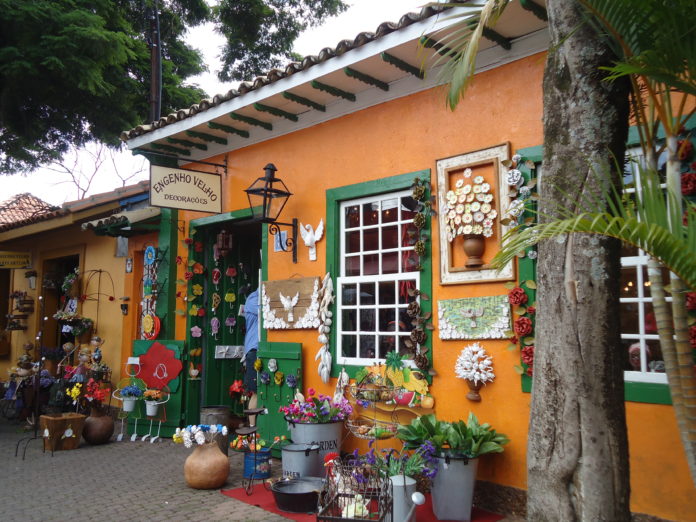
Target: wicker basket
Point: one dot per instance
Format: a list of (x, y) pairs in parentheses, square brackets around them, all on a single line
[(367, 428), (64, 430)]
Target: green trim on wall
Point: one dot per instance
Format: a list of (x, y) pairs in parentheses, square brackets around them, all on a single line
[(166, 272), (652, 393), (634, 139), (372, 188)]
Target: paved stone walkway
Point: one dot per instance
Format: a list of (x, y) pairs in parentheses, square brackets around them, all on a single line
[(120, 481)]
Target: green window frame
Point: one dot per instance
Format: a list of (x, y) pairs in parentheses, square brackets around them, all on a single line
[(334, 198), (652, 393)]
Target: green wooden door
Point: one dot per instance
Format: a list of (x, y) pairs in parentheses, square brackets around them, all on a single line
[(220, 291), (272, 396)]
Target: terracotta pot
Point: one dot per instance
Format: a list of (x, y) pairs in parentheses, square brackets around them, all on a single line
[(207, 467), (99, 427), (474, 246), (473, 394)]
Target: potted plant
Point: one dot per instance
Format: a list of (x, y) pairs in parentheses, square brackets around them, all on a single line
[(31, 276), (207, 467), (99, 426), (152, 398), (257, 454), (458, 446), (317, 419), (130, 394)]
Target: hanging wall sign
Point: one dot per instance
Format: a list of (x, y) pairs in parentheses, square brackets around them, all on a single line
[(185, 189), (15, 259), (290, 303)]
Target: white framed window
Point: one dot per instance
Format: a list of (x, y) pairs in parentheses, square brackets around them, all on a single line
[(378, 266), (639, 337)]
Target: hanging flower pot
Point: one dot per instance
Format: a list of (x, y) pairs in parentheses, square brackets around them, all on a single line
[(474, 246), (129, 404), (151, 408), (474, 387)]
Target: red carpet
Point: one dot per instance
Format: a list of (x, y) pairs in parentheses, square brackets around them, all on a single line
[(263, 498)]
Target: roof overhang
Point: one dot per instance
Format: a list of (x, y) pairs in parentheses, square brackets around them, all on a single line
[(126, 224), (272, 109)]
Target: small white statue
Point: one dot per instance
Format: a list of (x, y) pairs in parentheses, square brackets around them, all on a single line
[(289, 304), (310, 236), (341, 383)]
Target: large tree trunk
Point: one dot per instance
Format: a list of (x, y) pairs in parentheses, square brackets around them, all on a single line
[(578, 448)]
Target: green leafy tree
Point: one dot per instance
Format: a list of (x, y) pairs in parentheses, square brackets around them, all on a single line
[(74, 71)]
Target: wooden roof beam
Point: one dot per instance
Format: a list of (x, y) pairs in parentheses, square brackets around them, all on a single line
[(333, 91), (366, 78), (304, 101), (228, 129)]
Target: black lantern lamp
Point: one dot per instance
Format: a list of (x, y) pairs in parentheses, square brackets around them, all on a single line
[(267, 198)]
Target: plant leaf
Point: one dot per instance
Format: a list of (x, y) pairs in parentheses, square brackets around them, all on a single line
[(518, 369), (511, 347), (529, 283), (510, 285), (528, 340)]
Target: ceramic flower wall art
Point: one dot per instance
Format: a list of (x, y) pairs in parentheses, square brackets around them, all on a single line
[(474, 318)]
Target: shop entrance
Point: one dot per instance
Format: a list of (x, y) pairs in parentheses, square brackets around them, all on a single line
[(230, 273)]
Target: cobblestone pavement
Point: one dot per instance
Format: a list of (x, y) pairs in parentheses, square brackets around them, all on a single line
[(120, 481)]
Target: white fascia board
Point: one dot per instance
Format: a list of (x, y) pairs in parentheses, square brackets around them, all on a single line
[(393, 39)]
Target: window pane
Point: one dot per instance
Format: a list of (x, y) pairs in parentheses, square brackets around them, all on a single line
[(646, 280), (390, 263), (656, 364), (629, 282), (349, 320), (409, 235), (390, 237), (386, 320), (649, 320), (352, 215), (369, 213), (352, 240), (367, 346), (349, 294), (371, 264), (404, 321), (367, 293), (387, 343), (628, 250), (408, 205), (353, 266), (404, 298), (629, 318), (370, 239), (390, 210), (367, 320), (349, 345), (410, 261), (403, 349), (387, 295)]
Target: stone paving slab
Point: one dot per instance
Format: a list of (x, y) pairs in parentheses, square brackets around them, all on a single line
[(119, 481)]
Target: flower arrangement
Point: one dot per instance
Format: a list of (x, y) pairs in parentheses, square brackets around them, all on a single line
[(152, 395), (200, 434), (131, 391), (254, 443), (474, 364), (94, 393), (389, 462), (317, 409), (74, 392), (69, 280), (236, 389), (470, 208), (522, 333), (78, 323)]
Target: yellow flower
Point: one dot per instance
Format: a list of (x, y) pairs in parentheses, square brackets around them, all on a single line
[(197, 289), (258, 365)]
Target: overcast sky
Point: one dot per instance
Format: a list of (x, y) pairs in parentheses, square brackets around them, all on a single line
[(363, 15)]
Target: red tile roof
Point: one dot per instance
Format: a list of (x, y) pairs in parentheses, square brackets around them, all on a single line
[(23, 209)]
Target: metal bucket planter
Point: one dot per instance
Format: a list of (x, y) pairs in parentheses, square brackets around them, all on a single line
[(453, 487), (218, 415), (151, 408), (129, 404), (302, 460), (327, 435), (403, 488), (257, 465)]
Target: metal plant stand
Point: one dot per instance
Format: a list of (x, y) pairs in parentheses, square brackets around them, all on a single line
[(248, 482)]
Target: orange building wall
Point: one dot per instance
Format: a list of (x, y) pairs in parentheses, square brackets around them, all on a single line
[(410, 134)]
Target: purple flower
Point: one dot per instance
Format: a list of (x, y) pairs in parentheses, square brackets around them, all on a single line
[(291, 381), (265, 378)]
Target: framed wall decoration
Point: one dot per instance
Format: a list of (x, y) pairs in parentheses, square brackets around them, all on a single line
[(474, 318), (290, 303), (473, 196)]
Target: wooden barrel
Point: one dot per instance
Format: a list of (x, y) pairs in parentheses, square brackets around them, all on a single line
[(217, 415)]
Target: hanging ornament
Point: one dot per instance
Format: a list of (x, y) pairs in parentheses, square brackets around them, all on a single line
[(201, 312), (272, 365), (230, 298), (198, 268), (217, 275), (216, 301), (150, 255), (230, 321), (214, 326), (231, 272)]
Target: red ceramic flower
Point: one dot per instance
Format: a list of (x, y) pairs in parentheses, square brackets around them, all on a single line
[(198, 268), (514, 340), (188, 241), (198, 246), (237, 387), (523, 326), (530, 370), (159, 366), (691, 300), (531, 309), (688, 184), (179, 260), (517, 296), (188, 275), (528, 355), (201, 312)]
